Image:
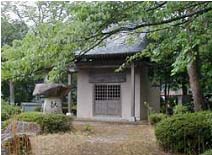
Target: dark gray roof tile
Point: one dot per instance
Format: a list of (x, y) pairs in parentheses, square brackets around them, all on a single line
[(120, 45)]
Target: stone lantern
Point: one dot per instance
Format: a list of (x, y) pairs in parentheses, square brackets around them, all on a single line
[(53, 94)]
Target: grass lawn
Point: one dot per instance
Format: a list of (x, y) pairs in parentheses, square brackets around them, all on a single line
[(97, 138)]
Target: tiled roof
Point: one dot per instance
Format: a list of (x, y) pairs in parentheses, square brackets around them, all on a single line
[(120, 44)]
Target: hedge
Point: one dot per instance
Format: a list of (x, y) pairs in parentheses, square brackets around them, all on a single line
[(180, 109), (8, 111), (50, 123), (189, 133), (155, 118)]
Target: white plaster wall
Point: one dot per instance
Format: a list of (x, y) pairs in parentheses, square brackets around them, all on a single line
[(137, 95), (84, 95), (126, 96)]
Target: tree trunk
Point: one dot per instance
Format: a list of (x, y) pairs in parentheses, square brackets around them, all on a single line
[(12, 93), (185, 97), (195, 85), (165, 95)]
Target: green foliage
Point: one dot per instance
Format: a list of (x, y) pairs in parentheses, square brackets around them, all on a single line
[(25, 57), (188, 133), (189, 106), (12, 30), (31, 117), (155, 118), (176, 44), (81, 24), (8, 111), (206, 65), (180, 109), (62, 28), (23, 90), (52, 43), (6, 123), (50, 123), (208, 152)]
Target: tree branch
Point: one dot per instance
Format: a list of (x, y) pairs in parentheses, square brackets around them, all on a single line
[(93, 46), (156, 7), (149, 24), (199, 12)]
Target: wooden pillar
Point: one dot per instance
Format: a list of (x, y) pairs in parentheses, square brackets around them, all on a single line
[(12, 93), (133, 91), (69, 94)]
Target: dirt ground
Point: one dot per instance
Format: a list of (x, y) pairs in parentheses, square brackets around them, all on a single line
[(97, 138)]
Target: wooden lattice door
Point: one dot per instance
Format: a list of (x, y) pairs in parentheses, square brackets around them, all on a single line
[(107, 99)]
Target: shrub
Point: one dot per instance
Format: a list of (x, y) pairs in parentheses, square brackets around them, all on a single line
[(190, 106), (189, 133), (155, 118), (180, 109), (208, 152), (36, 117), (8, 111), (50, 123), (5, 123)]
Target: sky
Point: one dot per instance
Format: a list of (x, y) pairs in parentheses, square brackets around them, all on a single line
[(14, 16)]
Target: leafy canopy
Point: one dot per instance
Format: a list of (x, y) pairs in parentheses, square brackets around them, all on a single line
[(175, 29)]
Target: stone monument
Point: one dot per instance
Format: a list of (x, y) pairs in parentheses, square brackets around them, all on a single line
[(53, 94)]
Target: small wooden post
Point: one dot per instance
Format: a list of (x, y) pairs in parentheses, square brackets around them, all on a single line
[(69, 94), (133, 91), (12, 93)]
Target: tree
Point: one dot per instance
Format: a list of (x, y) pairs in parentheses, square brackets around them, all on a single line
[(187, 42), (185, 27), (33, 57), (179, 29), (10, 31)]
